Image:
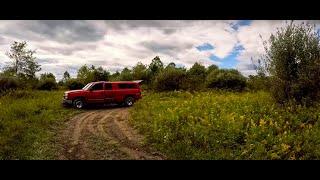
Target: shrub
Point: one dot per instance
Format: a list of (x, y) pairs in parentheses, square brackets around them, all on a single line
[(73, 84), (258, 82), (226, 79), (47, 84), (8, 83), (293, 60), (196, 76), (169, 79)]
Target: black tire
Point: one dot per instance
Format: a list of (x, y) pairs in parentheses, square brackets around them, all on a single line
[(128, 101), (78, 103)]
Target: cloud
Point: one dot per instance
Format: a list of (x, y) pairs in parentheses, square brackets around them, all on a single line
[(114, 44)]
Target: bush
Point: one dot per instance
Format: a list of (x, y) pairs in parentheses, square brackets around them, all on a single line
[(170, 79), (73, 84), (47, 84), (226, 79), (258, 82), (8, 83), (293, 60), (196, 76)]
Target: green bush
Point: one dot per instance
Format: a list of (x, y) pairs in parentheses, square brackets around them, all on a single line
[(293, 60), (226, 79), (258, 82), (169, 79), (8, 83), (47, 84), (73, 84)]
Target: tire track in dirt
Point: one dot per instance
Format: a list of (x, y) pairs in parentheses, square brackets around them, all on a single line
[(103, 134)]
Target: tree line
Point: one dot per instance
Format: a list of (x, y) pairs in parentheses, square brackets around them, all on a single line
[(289, 69)]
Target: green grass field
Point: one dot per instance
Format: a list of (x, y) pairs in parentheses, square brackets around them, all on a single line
[(226, 125), (182, 125), (28, 123)]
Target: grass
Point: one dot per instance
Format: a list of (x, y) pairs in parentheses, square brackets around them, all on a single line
[(226, 125), (28, 124)]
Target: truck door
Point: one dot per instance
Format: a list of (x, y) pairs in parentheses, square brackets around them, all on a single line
[(96, 94), (108, 93)]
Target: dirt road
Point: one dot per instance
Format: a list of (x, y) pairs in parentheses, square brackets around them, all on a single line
[(103, 134)]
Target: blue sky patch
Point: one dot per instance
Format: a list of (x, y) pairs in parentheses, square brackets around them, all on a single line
[(205, 47), (229, 61), (241, 23)]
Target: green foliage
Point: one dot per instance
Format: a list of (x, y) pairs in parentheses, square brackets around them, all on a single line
[(212, 68), (258, 82), (46, 76), (293, 60), (23, 61), (169, 79), (196, 76), (73, 84), (226, 79), (227, 125), (115, 76), (28, 121), (87, 75), (126, 75), (155, 67), (139, 72), (47, 84), (8, 83), (66, 77)]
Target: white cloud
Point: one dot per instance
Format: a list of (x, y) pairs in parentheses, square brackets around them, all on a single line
[(118, 44)]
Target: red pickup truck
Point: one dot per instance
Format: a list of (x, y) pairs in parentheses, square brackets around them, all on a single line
[(124, 92)]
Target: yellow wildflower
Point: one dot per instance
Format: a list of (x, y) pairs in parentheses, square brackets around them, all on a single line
[(262, 122), (285, 147)]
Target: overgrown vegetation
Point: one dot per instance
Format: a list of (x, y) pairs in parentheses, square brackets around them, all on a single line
[(195, 113), (227, 125), (28, 123), (292, 60)]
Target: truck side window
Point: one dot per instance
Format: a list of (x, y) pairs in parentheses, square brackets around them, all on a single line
[(108, 86), (126, 86), (98, 86)]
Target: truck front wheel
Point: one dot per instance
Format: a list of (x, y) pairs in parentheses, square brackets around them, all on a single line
[(78, 103)]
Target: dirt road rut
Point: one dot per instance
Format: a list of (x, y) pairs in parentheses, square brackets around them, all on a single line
[(103, 134)]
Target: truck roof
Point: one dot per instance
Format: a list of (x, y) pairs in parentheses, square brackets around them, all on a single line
[(116, 82)]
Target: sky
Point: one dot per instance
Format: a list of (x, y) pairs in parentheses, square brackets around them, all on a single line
[(66, 45)]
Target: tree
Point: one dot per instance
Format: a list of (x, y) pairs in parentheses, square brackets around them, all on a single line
[(228, 79), (66, 77), (84, 74), (139, 72), (292, 59), (115, 76), (47, 82), (172, 64), (196, 76), (212, 68), (100, 74), (126, 75), (24, 63), (155, 66), (47, 76), (170, 79)]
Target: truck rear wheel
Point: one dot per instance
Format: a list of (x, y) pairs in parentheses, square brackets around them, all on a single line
[(129, 101), (78, 103)]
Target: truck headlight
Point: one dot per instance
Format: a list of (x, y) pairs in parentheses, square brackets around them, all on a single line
[(65, 96)]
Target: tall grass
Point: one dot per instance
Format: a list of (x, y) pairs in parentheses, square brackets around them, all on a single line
[(28, 122), (226, 125)]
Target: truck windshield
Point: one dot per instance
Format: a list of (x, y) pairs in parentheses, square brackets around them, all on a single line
[(87, 86)]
